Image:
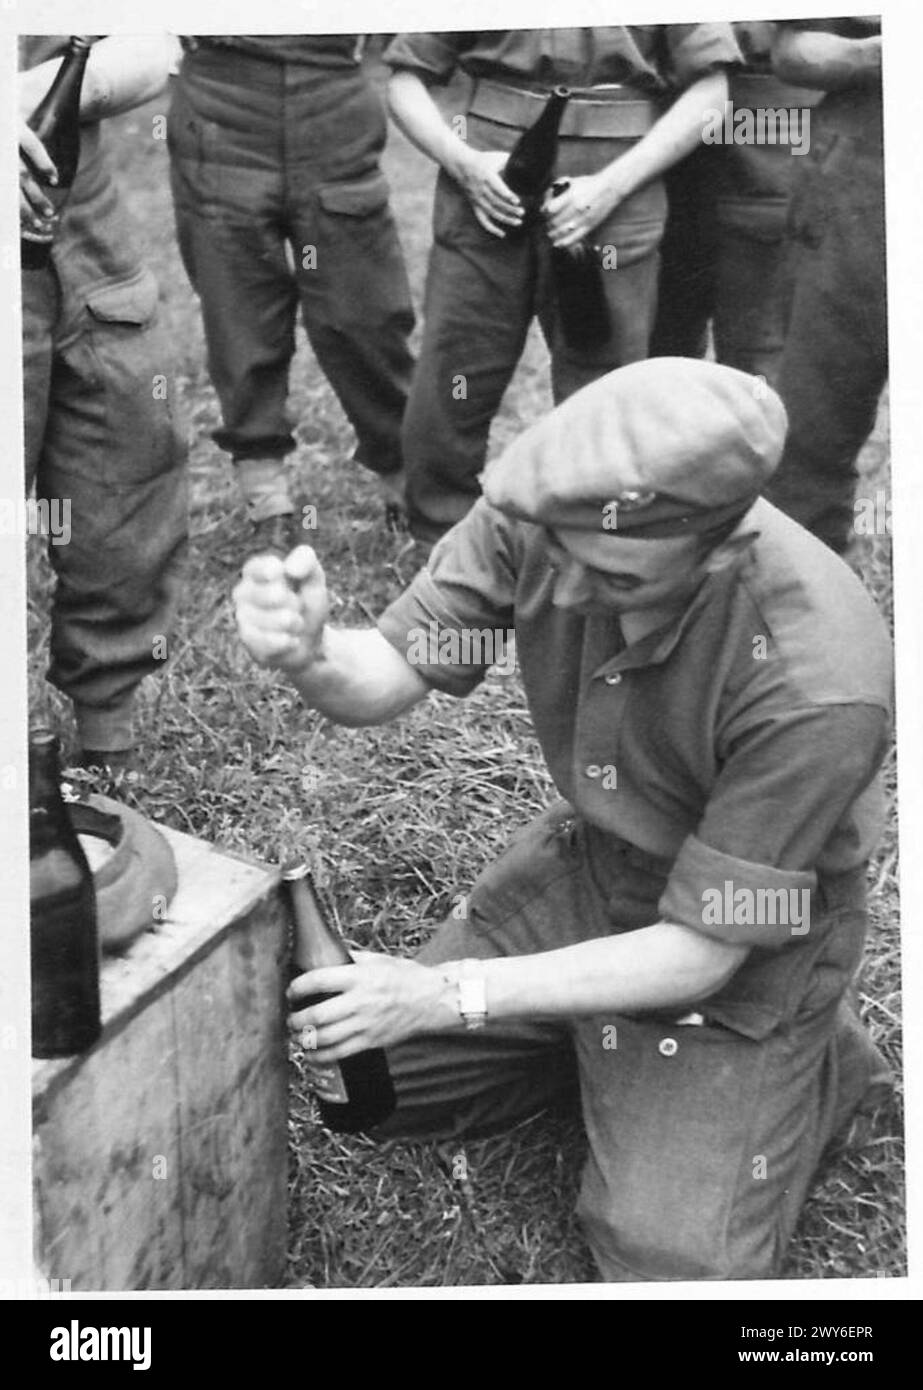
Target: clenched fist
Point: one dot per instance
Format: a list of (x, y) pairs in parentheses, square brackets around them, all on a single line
[(282, 607)]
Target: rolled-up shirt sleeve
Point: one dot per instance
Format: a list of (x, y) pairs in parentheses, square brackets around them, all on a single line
[(696, 49), (432, 56), (456, 618), (747, 876)]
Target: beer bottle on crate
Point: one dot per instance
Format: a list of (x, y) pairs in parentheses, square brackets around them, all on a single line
[(355, 1093), (64, 945), (56, 122), (530, 165)]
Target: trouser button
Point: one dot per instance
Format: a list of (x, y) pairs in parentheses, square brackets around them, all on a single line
[(668, 1047)]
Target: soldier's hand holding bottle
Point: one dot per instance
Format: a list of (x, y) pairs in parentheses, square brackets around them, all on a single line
[(36, 168), (496, 207), (578, 207), (282, 607)]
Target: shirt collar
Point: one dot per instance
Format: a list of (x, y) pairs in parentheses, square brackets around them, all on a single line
[(650, 645)]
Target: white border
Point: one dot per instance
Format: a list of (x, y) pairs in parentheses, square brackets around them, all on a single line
[(903, 31)]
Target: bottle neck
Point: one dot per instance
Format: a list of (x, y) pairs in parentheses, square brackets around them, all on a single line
[(550, 118), (69, 77), (45, 799), (314, 941)]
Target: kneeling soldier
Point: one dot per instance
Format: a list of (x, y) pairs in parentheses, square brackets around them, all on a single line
[(711, 689)]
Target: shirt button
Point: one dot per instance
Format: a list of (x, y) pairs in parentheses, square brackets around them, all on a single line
[(668, 1047), (614, 679), (594, 770)]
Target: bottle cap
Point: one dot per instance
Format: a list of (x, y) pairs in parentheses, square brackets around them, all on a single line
[(294, 869)]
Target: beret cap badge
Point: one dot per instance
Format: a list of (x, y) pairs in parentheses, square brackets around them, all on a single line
[(632, 500)]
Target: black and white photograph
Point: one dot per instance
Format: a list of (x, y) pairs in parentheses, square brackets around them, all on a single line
[(451, 718)]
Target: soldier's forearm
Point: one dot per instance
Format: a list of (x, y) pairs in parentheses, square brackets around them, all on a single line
[(359, 679), (418, 116), (673, 136), (827, 61), (665, 965)]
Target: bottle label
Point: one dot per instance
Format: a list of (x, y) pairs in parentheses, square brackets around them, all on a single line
[(327, 1082)]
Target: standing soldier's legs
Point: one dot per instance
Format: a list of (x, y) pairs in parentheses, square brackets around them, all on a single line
[(227, 182), (480, 300), (753, 289), (350, 269), (753, 252), (41, 305), (110, 452), (834, 364)]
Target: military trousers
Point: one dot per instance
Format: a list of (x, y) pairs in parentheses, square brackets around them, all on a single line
[(280, 201), (726, 260), (482, 294), (835, 362), (101, 440), (702, 1137)]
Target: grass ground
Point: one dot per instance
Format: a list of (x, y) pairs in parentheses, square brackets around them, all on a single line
[(399, 819)]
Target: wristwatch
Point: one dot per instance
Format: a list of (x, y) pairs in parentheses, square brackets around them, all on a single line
[(472, 995)]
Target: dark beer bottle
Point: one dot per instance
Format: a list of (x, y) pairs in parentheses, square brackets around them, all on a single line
[(64, 947), (56, 122), (530, 165), (583, 311), (355, 1093), (582, 307)]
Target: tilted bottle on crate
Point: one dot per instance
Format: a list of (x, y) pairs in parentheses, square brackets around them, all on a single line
[(56, 122), (355, 1093), (64, 943)]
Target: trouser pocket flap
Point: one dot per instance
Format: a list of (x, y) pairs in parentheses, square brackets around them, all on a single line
[(132, 303), (356, 197)]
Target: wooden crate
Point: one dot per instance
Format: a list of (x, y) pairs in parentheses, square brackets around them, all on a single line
[(160, 1155)]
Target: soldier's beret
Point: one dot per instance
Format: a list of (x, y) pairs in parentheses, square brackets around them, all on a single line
[(658, 448)]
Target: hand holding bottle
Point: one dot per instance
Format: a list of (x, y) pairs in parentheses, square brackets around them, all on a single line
[(580, 206), (37, 215), (496, 207), (377, 1001), (282, 608)]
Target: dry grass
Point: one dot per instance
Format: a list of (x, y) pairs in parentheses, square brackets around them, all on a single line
[(402, 818)]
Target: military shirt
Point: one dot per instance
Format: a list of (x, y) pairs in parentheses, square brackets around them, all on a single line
[(651, 57), (738, 743)]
